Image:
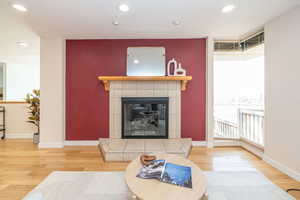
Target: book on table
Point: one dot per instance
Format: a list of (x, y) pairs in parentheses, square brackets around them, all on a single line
[(168, 173)]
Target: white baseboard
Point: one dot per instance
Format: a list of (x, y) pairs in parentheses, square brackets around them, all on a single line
[(81, 142), (256, 151), (198, 143), (46, 145), (210, 144), (225, 143), (19, 135), (92, 143), (284, 169), (96, 142)]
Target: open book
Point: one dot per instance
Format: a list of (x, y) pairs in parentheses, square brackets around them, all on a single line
[(168, 173)]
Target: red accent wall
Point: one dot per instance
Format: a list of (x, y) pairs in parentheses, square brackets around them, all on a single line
[(87, 104)]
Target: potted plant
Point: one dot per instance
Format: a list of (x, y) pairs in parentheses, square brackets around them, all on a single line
[(34, 112)]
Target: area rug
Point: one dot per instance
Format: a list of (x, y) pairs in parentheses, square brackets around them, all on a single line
[(111, 186)]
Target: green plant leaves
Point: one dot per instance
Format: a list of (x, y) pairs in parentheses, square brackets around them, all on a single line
[(34, 107)]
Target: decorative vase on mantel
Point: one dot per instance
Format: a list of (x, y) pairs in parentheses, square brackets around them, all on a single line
[(171, 63), (177, 68)]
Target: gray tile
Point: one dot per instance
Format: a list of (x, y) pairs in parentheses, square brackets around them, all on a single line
[(145, 93), (129, 93), (129, 156), (145, 85), (161, 86), (114, 156), (129, 85), (173, 146), (135, 146), (154, 146), (116, 145)]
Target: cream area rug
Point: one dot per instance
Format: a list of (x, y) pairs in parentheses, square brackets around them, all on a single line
[(248, 185)]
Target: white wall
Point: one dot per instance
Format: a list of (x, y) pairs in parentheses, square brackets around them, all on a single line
[(282, 86), (22, 63), (52, 92), (209, 92), (16, 121), (22, 76), (20, 80)]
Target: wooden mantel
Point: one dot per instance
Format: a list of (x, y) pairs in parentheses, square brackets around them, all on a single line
[(106, 79)]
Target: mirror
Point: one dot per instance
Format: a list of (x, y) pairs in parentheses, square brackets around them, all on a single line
[(146, 61)]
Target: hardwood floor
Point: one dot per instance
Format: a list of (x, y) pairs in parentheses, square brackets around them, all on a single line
[(23, 165)]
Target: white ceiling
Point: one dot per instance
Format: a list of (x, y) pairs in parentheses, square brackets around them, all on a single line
[(147, 18), (14, 29)]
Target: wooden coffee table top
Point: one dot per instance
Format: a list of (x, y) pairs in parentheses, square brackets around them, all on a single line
[(150, 189)]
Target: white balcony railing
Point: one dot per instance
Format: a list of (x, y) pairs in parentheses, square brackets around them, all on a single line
[(250, 127), (226, 129)]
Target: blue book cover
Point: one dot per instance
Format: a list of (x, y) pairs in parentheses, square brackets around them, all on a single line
[(167, 173), (177, 175)]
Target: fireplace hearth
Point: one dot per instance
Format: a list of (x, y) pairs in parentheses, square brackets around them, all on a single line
[(145, 117), (149, 109)]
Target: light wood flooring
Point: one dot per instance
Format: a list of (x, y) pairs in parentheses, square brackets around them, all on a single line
[(23, 165)]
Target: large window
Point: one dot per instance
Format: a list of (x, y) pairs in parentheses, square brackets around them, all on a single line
[(18, 79), (239, 94)]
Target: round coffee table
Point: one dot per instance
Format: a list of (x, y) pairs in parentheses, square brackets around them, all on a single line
[(150, 189)]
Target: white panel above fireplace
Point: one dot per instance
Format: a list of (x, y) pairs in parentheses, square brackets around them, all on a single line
[(119, 89)]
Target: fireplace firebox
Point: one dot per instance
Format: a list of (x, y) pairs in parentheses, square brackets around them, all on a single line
[(145, 117)]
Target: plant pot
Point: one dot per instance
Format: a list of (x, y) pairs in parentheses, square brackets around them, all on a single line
[(36, 138)]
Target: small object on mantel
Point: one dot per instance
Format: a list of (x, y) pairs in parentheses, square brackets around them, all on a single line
[(171, 63), (147, 159), (179, 71)]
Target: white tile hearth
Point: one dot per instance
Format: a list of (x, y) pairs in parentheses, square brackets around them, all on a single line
[(129, 149), (117, 149)]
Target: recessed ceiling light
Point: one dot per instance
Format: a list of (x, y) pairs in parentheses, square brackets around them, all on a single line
[(19, 7), (22, 44), (176, 22), (136, 61), (228, 8), (116, 23), (124, 7)]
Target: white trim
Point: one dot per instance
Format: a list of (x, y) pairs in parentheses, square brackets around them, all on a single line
[(96, 142), (51, 145), (134, 36), (224, 143), (199, 143), (18, 135), (81, 142), (210, 144), (284, 169), (252, 148), (64, 86), (3, 65), (209, 97)]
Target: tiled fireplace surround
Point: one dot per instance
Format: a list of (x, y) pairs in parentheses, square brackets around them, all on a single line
[(115, 148)]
